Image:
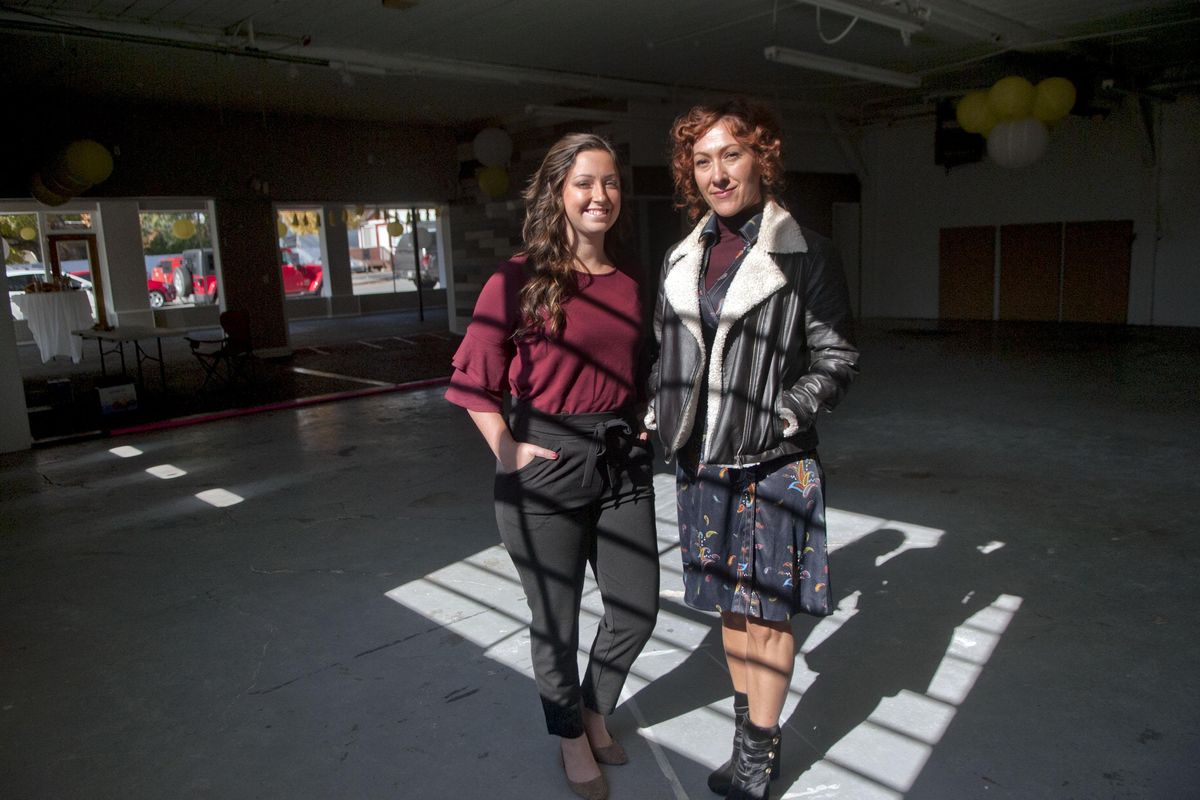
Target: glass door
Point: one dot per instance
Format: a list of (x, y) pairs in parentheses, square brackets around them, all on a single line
[(74, 257)]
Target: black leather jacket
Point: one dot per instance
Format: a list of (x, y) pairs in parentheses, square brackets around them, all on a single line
[(782, 352)]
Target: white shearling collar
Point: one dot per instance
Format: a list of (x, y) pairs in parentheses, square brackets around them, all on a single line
[(756, 279)]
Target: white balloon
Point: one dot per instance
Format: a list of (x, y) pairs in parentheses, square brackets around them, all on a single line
[(1017, 143), (493, 147)]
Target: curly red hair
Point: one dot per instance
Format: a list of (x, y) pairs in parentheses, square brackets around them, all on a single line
[(752, 124)]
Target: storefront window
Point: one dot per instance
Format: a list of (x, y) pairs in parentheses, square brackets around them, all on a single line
[(177, 247), (23, 263), (300, 266), (383, 255), (22, 244)]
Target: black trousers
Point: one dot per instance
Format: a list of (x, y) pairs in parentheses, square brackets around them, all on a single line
[(593, 504)]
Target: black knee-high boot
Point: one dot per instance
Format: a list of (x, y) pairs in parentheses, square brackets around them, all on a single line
[(722, 777), (752, 770)]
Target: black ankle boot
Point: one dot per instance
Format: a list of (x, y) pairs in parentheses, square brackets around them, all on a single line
[(721, 778), (752, 771)]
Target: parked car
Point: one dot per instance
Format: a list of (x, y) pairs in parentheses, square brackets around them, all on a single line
[(160, 293), (299, 278), (193, 274), (19, 277)]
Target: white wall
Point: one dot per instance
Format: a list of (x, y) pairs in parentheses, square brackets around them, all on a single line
[(1176, 294), (1092, 170)]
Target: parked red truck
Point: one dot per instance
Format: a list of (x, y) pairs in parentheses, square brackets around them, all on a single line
[(193, 274)]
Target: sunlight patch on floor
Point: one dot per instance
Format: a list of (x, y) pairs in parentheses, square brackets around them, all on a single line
[(480, 599)]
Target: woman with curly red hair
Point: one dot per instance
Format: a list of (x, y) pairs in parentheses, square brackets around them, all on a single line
[(755, 338), (559, 328)]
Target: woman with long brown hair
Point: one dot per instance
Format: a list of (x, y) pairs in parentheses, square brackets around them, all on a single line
[(755, 339), (559, 328)]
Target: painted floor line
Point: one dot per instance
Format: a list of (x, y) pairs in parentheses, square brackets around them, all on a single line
[(660, 755), (365, 343), (317, 373), (300, 402)]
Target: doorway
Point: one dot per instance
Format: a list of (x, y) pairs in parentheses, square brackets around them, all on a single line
[(77, 254)]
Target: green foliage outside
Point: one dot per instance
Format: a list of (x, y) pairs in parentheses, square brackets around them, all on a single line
[(10, 227), (159, 239)]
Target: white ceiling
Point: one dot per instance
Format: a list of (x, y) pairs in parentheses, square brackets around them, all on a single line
[(462, 62)]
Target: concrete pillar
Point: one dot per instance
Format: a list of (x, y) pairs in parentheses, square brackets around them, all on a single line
[(124, 266), (337, 253), (250, 277)]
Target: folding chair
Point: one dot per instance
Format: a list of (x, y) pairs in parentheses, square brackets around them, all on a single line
[(233, 351)]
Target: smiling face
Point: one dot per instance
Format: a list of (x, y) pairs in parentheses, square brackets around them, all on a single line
[(726, 171), (591, 195)]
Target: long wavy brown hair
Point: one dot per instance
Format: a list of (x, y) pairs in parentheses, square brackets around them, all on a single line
[(547, 247), (752, 124)]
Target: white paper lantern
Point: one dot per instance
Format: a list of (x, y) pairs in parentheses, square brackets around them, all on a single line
[(1017, 143), (493, 147)]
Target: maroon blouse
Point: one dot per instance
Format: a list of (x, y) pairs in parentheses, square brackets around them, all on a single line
[(589, 366)]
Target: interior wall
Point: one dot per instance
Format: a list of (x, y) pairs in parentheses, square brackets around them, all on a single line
[(807, 146), (164, 151), (1176, 280), (243, 161), (1092, 170)]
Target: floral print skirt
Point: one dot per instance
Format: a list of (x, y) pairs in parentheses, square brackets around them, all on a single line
[(753, 539)]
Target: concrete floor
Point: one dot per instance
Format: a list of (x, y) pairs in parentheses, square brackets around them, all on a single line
[(330, 357), (312, 603)]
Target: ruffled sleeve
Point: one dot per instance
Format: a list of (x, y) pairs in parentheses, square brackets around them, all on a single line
[(481, 362)]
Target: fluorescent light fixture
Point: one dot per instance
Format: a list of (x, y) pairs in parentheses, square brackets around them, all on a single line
[(897, 20), (850, 69)]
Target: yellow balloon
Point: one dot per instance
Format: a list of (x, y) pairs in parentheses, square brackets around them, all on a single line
[(974, 114), (493, 181), (183, 229), (395, 228), (27, 233), (42, 194), (1011, 98), (60, 176), (281, 229), (1053, 99), (87, 161)]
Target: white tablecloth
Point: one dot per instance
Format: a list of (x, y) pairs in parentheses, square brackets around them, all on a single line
[(51, 317)]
